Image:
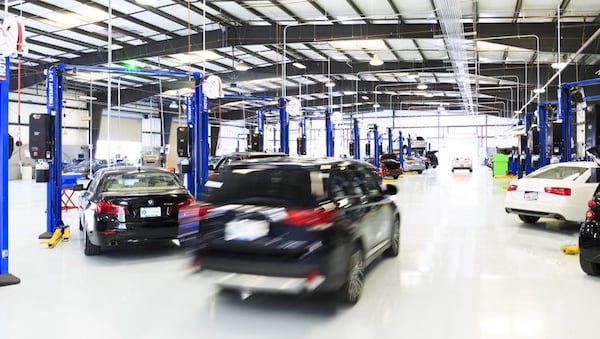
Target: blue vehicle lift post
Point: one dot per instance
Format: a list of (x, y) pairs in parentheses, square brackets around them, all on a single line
[(376, 142), (5, 277), (54, 101), (564, 109), (528, 158), (329, 134), (284, 131), (408, 147), (543, 136), (401, 142), (356, 136), (390, 141)]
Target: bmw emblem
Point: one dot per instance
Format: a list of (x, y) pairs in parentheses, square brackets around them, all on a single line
[(150, 202)]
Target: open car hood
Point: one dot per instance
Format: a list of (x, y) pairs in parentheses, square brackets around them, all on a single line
[(595, 153)]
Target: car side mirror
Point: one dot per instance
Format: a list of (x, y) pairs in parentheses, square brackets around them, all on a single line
[(391, 189)]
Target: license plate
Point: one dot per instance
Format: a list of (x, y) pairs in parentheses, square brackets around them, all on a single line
[(246, 230), (529, 196), (150, 212)]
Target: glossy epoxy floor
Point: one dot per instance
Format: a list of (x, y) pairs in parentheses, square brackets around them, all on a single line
[(466, 270)]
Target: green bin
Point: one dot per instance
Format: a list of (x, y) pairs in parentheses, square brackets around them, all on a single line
[(499, 164)]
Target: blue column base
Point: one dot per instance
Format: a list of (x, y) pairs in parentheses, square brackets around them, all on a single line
[(8, 279)]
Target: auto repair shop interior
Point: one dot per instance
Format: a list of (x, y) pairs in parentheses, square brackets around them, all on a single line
[(299, 169)]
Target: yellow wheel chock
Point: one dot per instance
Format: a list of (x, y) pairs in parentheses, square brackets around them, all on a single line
[(570, 249)]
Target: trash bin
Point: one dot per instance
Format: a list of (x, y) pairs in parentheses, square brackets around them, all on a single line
[(499, 164), (42, 172)]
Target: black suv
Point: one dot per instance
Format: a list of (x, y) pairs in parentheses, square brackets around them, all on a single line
[(292, 225)]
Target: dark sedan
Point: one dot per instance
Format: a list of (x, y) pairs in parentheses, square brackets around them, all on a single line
[(293, 226), (130, 204), (589, 233)]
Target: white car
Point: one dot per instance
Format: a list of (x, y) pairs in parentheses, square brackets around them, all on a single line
[(560, 191), (462, 163)]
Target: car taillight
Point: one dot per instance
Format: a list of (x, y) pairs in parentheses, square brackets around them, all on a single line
[(590, 215), (311, 217), (592, 203), (106, 207), (558, 190), (511, 188), (204, 209), (188, 201)]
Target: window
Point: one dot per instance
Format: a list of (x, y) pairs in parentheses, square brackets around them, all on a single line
[(560, 173), (131, 181)]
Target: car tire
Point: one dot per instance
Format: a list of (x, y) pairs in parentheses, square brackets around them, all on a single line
[(420, 171), (350, 292), (589, 267), (394, 248), (471, 170), (395, 177), (453, 170), (89, 248), (528, 219)]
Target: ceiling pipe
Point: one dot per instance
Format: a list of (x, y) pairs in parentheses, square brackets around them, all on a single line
[(594, 36)]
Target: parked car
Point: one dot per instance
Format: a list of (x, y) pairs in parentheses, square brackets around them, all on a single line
[(293, 225), (432, 158), (84, 166), (390, 166), (559, 191), (413, 163), (130, 204), (227, 159), (589, 242), (462, 163)]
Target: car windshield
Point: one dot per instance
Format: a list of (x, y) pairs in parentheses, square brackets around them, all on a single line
[(138, 181), (560, 173), (266, 186)]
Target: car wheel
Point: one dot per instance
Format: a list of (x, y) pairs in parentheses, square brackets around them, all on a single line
[(529, 219), (453, 170), (90, 249), (589, 267), (434, 166), (352, 288), (394, 248), (395, 177), (470, 170), (420, 171)]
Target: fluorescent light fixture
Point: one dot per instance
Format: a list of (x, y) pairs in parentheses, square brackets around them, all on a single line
[(364, 97), (241, 66), (412, 76), (173, 105), (539, 90), (517, 112), (349, 92), (421, 86), (558, 65), (428, 95), (330, 84), (87, 97), (299, 65), (376, 60), (376, 105)]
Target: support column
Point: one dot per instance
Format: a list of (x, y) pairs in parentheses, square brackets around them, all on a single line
[(5, 277)]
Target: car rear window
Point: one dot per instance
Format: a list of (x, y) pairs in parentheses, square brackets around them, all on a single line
[(133, 181), (560, 173), (266, 186)]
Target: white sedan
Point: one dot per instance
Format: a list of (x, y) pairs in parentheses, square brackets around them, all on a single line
[(462, 163), (560, 191)]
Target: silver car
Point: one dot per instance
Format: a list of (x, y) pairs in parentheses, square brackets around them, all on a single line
[(415, 164)]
